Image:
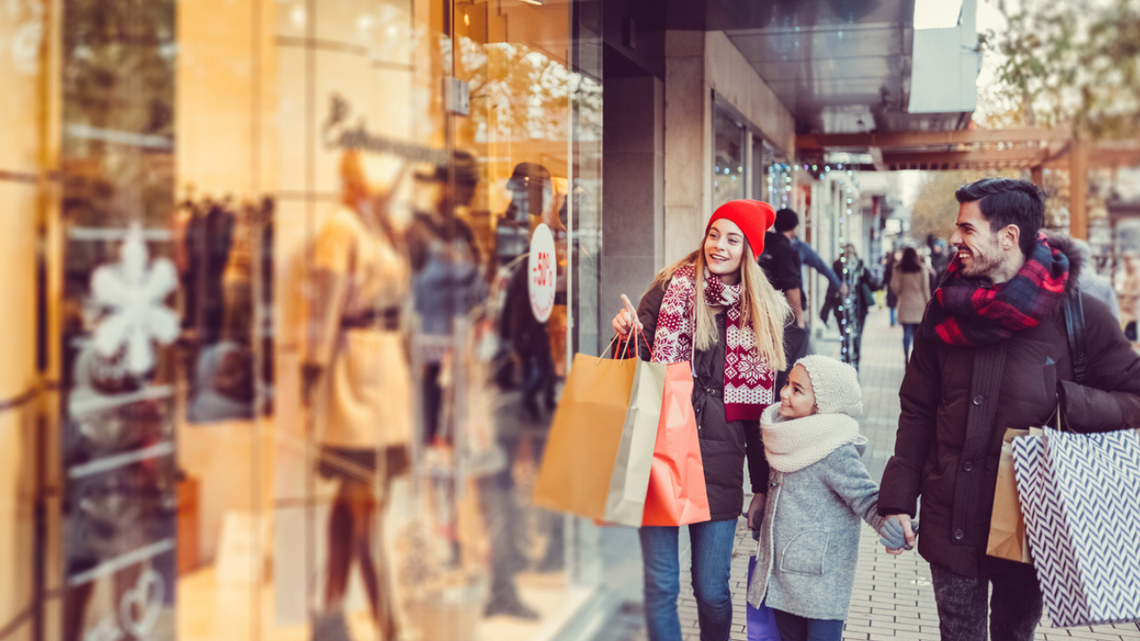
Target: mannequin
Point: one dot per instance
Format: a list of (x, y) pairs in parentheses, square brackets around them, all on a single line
[(355, 374)]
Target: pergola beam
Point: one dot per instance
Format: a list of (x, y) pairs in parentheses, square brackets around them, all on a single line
[(968, 159), (894, 140)]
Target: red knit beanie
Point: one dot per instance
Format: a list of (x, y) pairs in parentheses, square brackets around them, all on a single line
[(751, 216)]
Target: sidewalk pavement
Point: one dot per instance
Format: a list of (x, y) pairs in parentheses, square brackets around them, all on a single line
[(892, 598)]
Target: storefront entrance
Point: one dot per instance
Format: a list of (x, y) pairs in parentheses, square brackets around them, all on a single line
[(298, 284)]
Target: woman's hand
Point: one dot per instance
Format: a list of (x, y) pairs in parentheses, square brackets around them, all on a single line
[(626, 319)]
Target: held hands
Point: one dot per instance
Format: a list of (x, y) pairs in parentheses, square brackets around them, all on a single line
[(898, 533), (626, 320)]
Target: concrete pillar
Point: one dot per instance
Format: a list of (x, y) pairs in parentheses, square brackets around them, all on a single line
[(633, 223), (688, 142)]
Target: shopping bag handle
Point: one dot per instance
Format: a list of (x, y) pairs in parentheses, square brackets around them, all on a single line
[(644, 340), (636, 327), (609, 348)]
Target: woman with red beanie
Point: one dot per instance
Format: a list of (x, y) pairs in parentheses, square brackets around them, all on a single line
[(716, 309)]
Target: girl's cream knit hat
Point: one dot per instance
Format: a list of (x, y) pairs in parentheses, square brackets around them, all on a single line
[(836, 385)]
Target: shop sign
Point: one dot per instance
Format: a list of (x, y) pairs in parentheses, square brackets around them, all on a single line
[(541, 276), (339, 133)]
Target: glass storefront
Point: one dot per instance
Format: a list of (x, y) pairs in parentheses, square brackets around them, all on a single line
[(301, 281), (730, 157)]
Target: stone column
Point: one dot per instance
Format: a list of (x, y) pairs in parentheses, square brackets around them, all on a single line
[(688, 142), (633, 224)]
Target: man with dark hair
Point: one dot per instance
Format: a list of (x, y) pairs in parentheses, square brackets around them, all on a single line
[(993, 353), (782, 265)]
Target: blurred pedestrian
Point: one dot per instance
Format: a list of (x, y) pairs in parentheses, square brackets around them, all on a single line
[(809, 258), (850, 309), (993, 353), (888, 274), (939, 261), (716, 308), (782, 265), (910, 284), (1092, 283), (1128, 290)]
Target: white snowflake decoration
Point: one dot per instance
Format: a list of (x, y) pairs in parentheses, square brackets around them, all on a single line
[(134, 290)]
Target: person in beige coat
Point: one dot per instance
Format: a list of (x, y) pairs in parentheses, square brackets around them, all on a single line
[(910, 282)]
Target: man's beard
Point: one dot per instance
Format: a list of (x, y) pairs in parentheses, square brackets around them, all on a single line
[(983, 265)]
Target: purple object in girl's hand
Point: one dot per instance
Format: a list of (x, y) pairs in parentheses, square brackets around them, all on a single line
[(762, 620)]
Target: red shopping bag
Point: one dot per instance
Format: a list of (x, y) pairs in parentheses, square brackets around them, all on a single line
[(677, 494)]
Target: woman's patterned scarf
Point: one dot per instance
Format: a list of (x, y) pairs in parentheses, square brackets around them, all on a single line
[(965, 313), (748, 380)]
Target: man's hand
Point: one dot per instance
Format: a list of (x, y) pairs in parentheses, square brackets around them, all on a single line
[(756, 511), (901, 522)]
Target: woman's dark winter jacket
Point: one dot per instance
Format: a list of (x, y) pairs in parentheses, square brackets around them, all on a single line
[(724, 445), (958, 401)]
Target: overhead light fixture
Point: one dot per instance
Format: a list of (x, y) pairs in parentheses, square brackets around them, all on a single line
[(537, 3), (937, 14)]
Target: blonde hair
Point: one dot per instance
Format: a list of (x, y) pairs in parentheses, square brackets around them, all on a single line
[(762, 307)]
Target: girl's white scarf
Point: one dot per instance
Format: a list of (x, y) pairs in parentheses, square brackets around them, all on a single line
[(793, 444)]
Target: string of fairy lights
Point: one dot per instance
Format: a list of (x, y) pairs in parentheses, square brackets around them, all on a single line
[(780, 185)]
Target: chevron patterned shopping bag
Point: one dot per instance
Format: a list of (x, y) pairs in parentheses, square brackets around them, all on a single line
[(1080, 495)]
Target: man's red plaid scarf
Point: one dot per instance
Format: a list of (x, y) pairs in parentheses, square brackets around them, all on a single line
[(748, 381), (964, 312)]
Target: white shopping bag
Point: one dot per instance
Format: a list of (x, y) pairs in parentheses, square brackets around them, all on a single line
[(1080, 495)]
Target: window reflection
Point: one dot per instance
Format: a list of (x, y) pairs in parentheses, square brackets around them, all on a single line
[(329, 422)]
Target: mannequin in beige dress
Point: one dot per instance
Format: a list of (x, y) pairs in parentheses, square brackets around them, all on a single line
[(355, 375)]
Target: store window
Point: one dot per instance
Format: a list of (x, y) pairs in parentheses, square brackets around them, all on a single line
[(276, 255)]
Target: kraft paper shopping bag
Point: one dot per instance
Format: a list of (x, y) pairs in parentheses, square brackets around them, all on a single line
[(600, 448), (677, 493), (1007, 526)]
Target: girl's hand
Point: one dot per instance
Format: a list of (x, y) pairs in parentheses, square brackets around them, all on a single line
[(898, 533), (626, 319)]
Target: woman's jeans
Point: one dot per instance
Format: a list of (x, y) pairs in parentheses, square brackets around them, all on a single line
[(712, 555), (908, 337)]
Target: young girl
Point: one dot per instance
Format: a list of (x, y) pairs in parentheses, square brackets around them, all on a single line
[(715, 308), (818, 491)]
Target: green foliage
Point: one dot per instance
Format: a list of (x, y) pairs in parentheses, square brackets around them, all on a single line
[(1072, 62), (518, 93)]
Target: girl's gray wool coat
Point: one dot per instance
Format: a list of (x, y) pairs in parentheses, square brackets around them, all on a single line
[(806, 564)]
